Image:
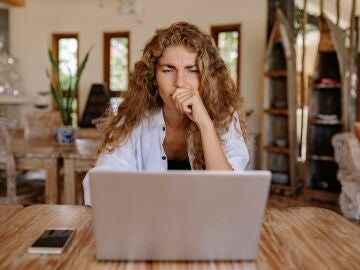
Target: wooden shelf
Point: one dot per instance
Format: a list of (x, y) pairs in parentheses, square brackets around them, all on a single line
[(279, 186), (285, 189), (327, 96), (327, 86), (277, 150), (11, 100), (276, 73), (317, 121), (276, 111), (279, 107), (322, 158), (318, 195)]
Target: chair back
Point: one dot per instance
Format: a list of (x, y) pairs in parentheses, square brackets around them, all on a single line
[(7, 159), (347, 151)]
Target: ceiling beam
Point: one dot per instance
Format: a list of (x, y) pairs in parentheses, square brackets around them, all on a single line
[(17, 3)]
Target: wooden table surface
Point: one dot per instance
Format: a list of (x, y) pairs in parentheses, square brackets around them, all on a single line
[(83, 149), (6, 211), (40, 155), (47, 155), (291, 238)]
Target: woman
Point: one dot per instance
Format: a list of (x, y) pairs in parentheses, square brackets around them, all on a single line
[(182, 110)]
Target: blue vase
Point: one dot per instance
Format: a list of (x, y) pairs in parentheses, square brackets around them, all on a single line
[(65, 135)]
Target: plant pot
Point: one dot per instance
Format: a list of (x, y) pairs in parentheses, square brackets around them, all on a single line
[(65, 135)]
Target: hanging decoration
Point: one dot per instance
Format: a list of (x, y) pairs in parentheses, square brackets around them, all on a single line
[(9, 77), (132, 7)]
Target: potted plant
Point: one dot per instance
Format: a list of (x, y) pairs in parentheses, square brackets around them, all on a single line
[(64, 95)]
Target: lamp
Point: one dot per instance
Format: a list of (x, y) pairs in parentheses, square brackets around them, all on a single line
[(126, 7), (132, 7)]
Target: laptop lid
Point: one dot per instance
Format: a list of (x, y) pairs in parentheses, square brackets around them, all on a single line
[(178, 215)]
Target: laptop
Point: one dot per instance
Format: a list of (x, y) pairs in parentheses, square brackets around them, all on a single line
[(178, 215)]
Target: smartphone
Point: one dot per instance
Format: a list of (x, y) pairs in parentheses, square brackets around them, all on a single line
[(52, 241)]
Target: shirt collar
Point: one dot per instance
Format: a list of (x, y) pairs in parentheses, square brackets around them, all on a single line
[(157, 119)]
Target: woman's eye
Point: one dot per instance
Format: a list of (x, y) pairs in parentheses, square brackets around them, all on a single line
[(194, 70), (166, 70)]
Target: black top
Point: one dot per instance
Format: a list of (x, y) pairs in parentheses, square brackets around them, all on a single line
[(179, 164)]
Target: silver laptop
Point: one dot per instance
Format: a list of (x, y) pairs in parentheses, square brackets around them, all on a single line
[(178, 215)]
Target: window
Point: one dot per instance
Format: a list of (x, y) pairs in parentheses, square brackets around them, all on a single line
[(66, 53), (116, 62), (158, 31), (227, 38)]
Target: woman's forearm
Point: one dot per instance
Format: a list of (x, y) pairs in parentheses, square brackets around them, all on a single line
[(215, 158)]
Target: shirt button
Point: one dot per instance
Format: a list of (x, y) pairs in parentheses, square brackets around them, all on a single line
[(163, 157)]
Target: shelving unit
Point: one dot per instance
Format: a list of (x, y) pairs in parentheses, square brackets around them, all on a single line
[(14, 107), (279, 144), (327, 113)]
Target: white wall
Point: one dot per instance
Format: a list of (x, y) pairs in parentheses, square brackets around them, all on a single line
[(31, 28)]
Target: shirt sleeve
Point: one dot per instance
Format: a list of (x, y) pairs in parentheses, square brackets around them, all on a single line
[(234, 146), (121, 159)]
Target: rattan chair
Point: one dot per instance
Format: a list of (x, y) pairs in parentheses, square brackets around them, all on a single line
[(347, 156)]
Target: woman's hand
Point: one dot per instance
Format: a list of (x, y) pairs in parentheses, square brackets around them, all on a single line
[(188, 101)]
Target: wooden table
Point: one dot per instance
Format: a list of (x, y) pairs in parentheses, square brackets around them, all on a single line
[(6, 211), (46, 155), (291, 238), (40, 155), (78, 159)]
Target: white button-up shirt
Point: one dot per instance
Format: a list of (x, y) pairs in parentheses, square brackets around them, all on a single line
[(143, 150)]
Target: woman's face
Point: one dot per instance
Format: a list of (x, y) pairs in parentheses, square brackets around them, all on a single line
[(176, 69)]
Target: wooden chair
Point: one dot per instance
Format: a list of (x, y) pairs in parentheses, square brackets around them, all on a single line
[(13, 189), (347, 157)]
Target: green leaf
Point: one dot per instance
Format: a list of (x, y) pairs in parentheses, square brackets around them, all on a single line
[(69, 95), (58, 102), (79, 72), (65, 102), (56, 73)]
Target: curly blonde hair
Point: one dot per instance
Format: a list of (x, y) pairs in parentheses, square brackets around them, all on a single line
[(217, 89)]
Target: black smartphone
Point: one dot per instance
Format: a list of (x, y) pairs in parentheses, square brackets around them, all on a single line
[(52, 241)]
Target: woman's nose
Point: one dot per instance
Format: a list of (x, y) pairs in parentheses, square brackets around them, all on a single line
[(180, 79)]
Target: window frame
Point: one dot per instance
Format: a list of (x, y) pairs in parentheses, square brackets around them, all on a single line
[(106, 60), (55, 37), (216, 30)]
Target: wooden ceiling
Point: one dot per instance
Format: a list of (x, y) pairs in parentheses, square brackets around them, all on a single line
[(313, 6), (17, 3)]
